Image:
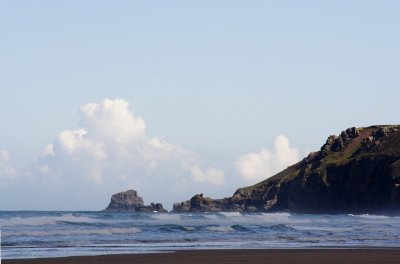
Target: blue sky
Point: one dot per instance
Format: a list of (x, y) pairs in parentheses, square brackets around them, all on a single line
[(219, 79)]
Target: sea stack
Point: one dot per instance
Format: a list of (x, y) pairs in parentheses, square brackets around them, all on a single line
[(357, 171), (129, 201)]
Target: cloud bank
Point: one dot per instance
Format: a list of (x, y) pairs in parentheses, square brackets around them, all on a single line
[(254, 167), (111, 151)]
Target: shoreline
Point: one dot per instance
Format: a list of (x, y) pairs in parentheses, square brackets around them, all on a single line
[(219, 256)]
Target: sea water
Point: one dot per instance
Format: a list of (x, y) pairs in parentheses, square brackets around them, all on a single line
[(56, 234)]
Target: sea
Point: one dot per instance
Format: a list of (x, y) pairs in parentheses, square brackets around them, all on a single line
[(58, 234)]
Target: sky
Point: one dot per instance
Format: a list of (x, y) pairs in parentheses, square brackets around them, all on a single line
[(174, 98)]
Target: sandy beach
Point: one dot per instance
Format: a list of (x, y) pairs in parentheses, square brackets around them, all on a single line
[(278, 256)]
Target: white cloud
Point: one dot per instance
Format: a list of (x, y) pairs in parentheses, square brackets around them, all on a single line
[(212, 175), (254, 167), (112, 121), (7, 170), (112, 152), (77, 143)]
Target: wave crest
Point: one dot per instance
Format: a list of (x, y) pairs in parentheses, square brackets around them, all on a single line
[(45, 220), (73, 232)]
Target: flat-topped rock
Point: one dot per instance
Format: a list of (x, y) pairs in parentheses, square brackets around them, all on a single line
[(129, 201)]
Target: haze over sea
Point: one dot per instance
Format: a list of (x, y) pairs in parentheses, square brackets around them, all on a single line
[(56, 234)]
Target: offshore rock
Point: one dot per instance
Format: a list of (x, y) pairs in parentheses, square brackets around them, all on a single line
[(153, 207), (199, 203), (355, 172), (129, 201)]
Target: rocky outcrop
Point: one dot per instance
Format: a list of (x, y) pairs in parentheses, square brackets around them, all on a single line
[(129, 201), (153, 207), (199, 203), (355, 172)]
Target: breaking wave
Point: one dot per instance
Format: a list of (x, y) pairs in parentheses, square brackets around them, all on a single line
[(220, 228), (72, 232), (45, 220), (368, 216), (166, 217)]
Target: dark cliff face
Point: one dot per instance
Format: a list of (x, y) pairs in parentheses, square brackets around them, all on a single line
[(129, 201), (355, 172)]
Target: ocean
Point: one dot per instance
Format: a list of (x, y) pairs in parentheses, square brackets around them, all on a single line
[(55, 234)]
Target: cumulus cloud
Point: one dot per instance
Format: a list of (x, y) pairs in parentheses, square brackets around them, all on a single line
[(112, 121), (261, 165), (211, 175), (111, 151), (7, 170)]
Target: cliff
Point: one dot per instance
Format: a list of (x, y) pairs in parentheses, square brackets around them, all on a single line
[(129, 201), (355, 172)]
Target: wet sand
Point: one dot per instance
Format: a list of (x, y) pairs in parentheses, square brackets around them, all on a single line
[(275, 256)]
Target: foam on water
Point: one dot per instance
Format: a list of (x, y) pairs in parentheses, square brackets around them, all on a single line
[(44, 220), (322, 228), (210, 216), (373, 216), (283, 218), (231, 214), (166, 217), (72, 232), (220, 228)]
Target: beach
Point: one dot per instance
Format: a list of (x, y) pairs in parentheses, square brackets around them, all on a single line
[(276, 256)]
